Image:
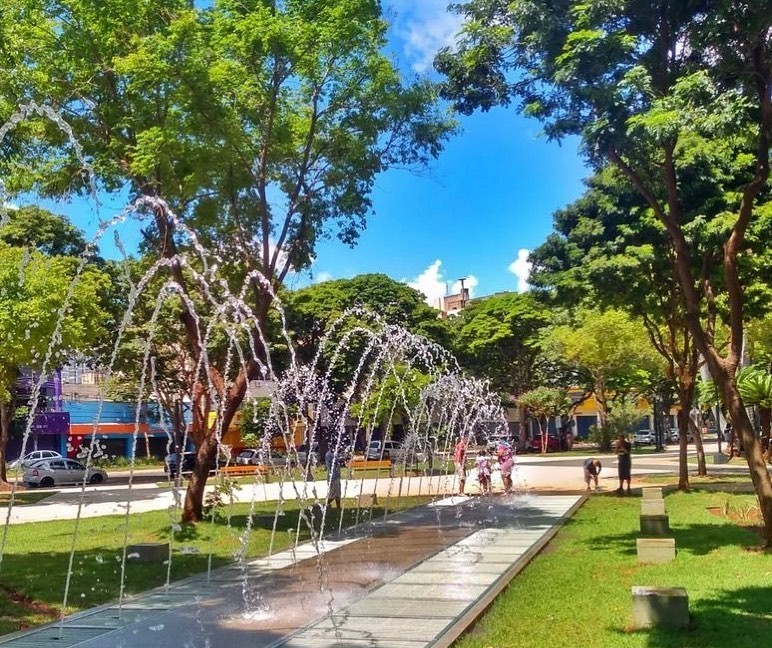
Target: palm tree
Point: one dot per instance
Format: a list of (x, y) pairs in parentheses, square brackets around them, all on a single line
[(755, 387)]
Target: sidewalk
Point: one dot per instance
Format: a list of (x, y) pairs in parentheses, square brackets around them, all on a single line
[(412, 580)]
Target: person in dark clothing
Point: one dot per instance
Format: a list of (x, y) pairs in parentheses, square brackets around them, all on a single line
[(332, 462), (592, 468), (622, 448)]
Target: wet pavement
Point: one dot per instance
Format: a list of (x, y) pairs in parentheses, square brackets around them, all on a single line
[(408, 580)]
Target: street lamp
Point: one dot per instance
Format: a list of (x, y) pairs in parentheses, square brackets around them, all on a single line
[(463, 293)]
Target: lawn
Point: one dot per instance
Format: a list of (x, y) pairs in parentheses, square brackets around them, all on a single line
[(34, 564), (21, 498), (577, 591)]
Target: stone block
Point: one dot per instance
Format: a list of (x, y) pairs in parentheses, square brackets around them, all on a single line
[(655, 550), (720, 458), (148, 552), (652, 507), (367, 501), (651, 492), (657, 526), (660, 606)]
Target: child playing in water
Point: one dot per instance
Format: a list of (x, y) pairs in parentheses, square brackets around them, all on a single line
[(483, 464), (506, 464)]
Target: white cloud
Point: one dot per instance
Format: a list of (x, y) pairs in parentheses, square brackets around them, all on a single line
[(424, 26), (321, 277), (521, 268), (434, 287)]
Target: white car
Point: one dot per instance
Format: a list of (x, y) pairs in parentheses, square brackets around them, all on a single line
[(256, 457), (33, 457), (643, 437), (385, 450), (47, 473)]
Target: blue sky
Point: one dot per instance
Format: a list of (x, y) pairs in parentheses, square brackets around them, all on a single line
[(481, 206)]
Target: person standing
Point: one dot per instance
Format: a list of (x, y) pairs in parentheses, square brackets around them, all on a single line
[(592, 468), (622, 449), (459, 458), (506, 458), (332, 464), (483, 463)]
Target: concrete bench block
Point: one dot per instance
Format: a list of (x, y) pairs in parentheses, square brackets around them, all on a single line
[(657, 526), (653, 507), (367, 501), (720, 458), (652, 492), (660, 606), (148, 552), (655, 550)]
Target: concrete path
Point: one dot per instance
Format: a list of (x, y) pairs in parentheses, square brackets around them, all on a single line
[(411, 580)]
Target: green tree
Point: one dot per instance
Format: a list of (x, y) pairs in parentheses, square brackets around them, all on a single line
[(608, 248), (648, 87), (755, 385), (45, 314), (263, 125), (498, 338), (542, 403), (611, 348), (397, 393), (52, 234), (321, 316), (623, 418)]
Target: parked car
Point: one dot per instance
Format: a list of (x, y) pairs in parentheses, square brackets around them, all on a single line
[(643, 437), (384, 450), (33, 457), (189, 462), (259, 457), (185, 466), (534, 444), (47, 473)]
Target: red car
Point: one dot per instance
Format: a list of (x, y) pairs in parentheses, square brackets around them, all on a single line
[(534, 444)]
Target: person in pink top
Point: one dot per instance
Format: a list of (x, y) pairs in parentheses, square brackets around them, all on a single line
[(459, 458), (483, 463), (506, 458)]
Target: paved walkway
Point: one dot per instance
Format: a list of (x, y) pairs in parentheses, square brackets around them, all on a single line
[(410, 580)]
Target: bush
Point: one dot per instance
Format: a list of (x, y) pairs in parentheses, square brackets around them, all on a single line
[(602, 436)]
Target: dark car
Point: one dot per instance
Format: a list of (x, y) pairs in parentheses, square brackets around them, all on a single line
[(173, 467)]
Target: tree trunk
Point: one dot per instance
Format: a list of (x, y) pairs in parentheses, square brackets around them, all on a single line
[(523, 417), (683, 438), (206, 460), (757, 466), (765, 419), (5, 433), (205, 437)]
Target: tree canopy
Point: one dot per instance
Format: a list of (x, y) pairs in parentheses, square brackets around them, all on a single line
[(245, 131), (649, 88), (46, 314), (497, 337)]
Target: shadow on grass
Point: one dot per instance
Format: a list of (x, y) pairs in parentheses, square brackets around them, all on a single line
[(739, 618), (696, 539)]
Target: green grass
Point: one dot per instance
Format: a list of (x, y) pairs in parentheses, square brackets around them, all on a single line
[(577, 592), (34, 564), (24, 497)]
